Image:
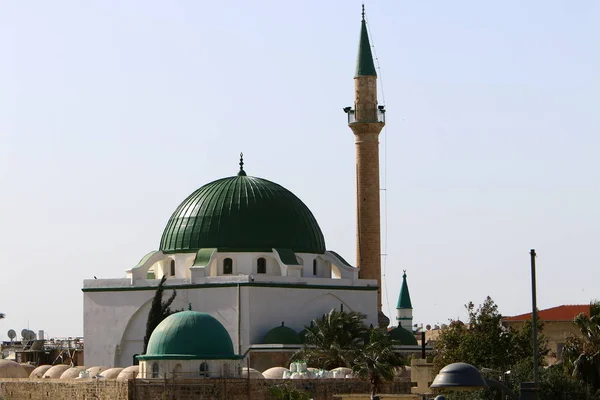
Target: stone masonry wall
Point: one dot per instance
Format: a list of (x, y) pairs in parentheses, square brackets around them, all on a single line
[(158, 389), (63, 389)]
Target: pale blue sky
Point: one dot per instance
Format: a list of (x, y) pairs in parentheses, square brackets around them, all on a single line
[(112, 112)]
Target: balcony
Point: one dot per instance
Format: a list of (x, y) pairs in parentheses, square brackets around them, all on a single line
[(365, 114)]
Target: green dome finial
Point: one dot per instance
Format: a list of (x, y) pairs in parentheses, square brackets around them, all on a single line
[(242, 172), (363, 11)]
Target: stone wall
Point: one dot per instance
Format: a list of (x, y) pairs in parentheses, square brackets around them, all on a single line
[(158, 389), (63, 389)]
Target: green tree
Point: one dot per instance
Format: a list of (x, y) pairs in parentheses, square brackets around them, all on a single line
[(581, 355), (159, 310), (287, 391), (376, 360), (332, 340), (554, 383), (484, 342)]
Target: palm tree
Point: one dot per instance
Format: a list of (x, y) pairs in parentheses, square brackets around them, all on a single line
[(332, 340), (581, 355), (2, 316), (376, 361)]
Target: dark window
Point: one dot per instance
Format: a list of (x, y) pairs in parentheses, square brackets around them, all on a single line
[(203, 370), (155, 370), (172, 267), (228, 266), (314, 266), (261, 266), (226, 371)]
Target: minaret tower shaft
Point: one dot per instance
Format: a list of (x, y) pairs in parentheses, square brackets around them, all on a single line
[(366, 121)]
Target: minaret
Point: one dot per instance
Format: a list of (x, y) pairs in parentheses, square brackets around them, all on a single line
[(404, 308), (366, 121)]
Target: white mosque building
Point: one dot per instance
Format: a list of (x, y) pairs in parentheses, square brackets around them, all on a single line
[(242, 249), (250, 254)]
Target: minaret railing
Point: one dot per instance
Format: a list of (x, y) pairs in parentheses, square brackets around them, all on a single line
[(363, 114)]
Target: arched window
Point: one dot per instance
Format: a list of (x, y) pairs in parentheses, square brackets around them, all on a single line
[(226, 371), (227, 266), (315, 266), (261, 266), (203, 371), (172, 267), (155, 370)]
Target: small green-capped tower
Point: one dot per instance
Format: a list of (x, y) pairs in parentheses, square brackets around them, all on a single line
[(404, 307)]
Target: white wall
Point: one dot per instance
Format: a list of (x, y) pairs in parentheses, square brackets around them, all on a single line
[(404, 317), (114, 320), (191, 368), (270, 306)]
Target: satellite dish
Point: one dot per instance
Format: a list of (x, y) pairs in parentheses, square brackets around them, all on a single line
[(12, 334), (428, 327), (26, 334)]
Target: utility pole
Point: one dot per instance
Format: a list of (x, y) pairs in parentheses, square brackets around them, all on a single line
[(536, 377)]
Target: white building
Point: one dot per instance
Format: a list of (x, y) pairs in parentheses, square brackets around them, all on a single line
[(242, 249)]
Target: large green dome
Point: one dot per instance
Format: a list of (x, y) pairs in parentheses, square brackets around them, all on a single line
[(189, 335), (242, 213)]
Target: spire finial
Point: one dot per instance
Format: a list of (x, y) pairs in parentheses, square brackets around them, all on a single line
[(242, 172), (364, 61), (190, 306)]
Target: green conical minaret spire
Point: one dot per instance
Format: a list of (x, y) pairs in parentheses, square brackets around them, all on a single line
[(364, 61), (404, 297)]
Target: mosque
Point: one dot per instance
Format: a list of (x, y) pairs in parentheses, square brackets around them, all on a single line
[(249, 260)]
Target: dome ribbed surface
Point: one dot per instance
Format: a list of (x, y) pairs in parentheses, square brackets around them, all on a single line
[(190, 334), (242, 213)]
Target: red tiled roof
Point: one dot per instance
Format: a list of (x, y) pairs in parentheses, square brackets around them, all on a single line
[(560, 313)]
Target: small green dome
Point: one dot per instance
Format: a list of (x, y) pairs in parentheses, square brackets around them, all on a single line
[(189, 335), (282, 335), (404, 336), (242, 213)]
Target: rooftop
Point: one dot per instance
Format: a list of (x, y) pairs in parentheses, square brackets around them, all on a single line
[(559, 313)]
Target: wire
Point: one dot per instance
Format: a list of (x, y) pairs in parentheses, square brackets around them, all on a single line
[(385, 168)]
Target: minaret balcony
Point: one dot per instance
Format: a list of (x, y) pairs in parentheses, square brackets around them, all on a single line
[(365, 114)]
